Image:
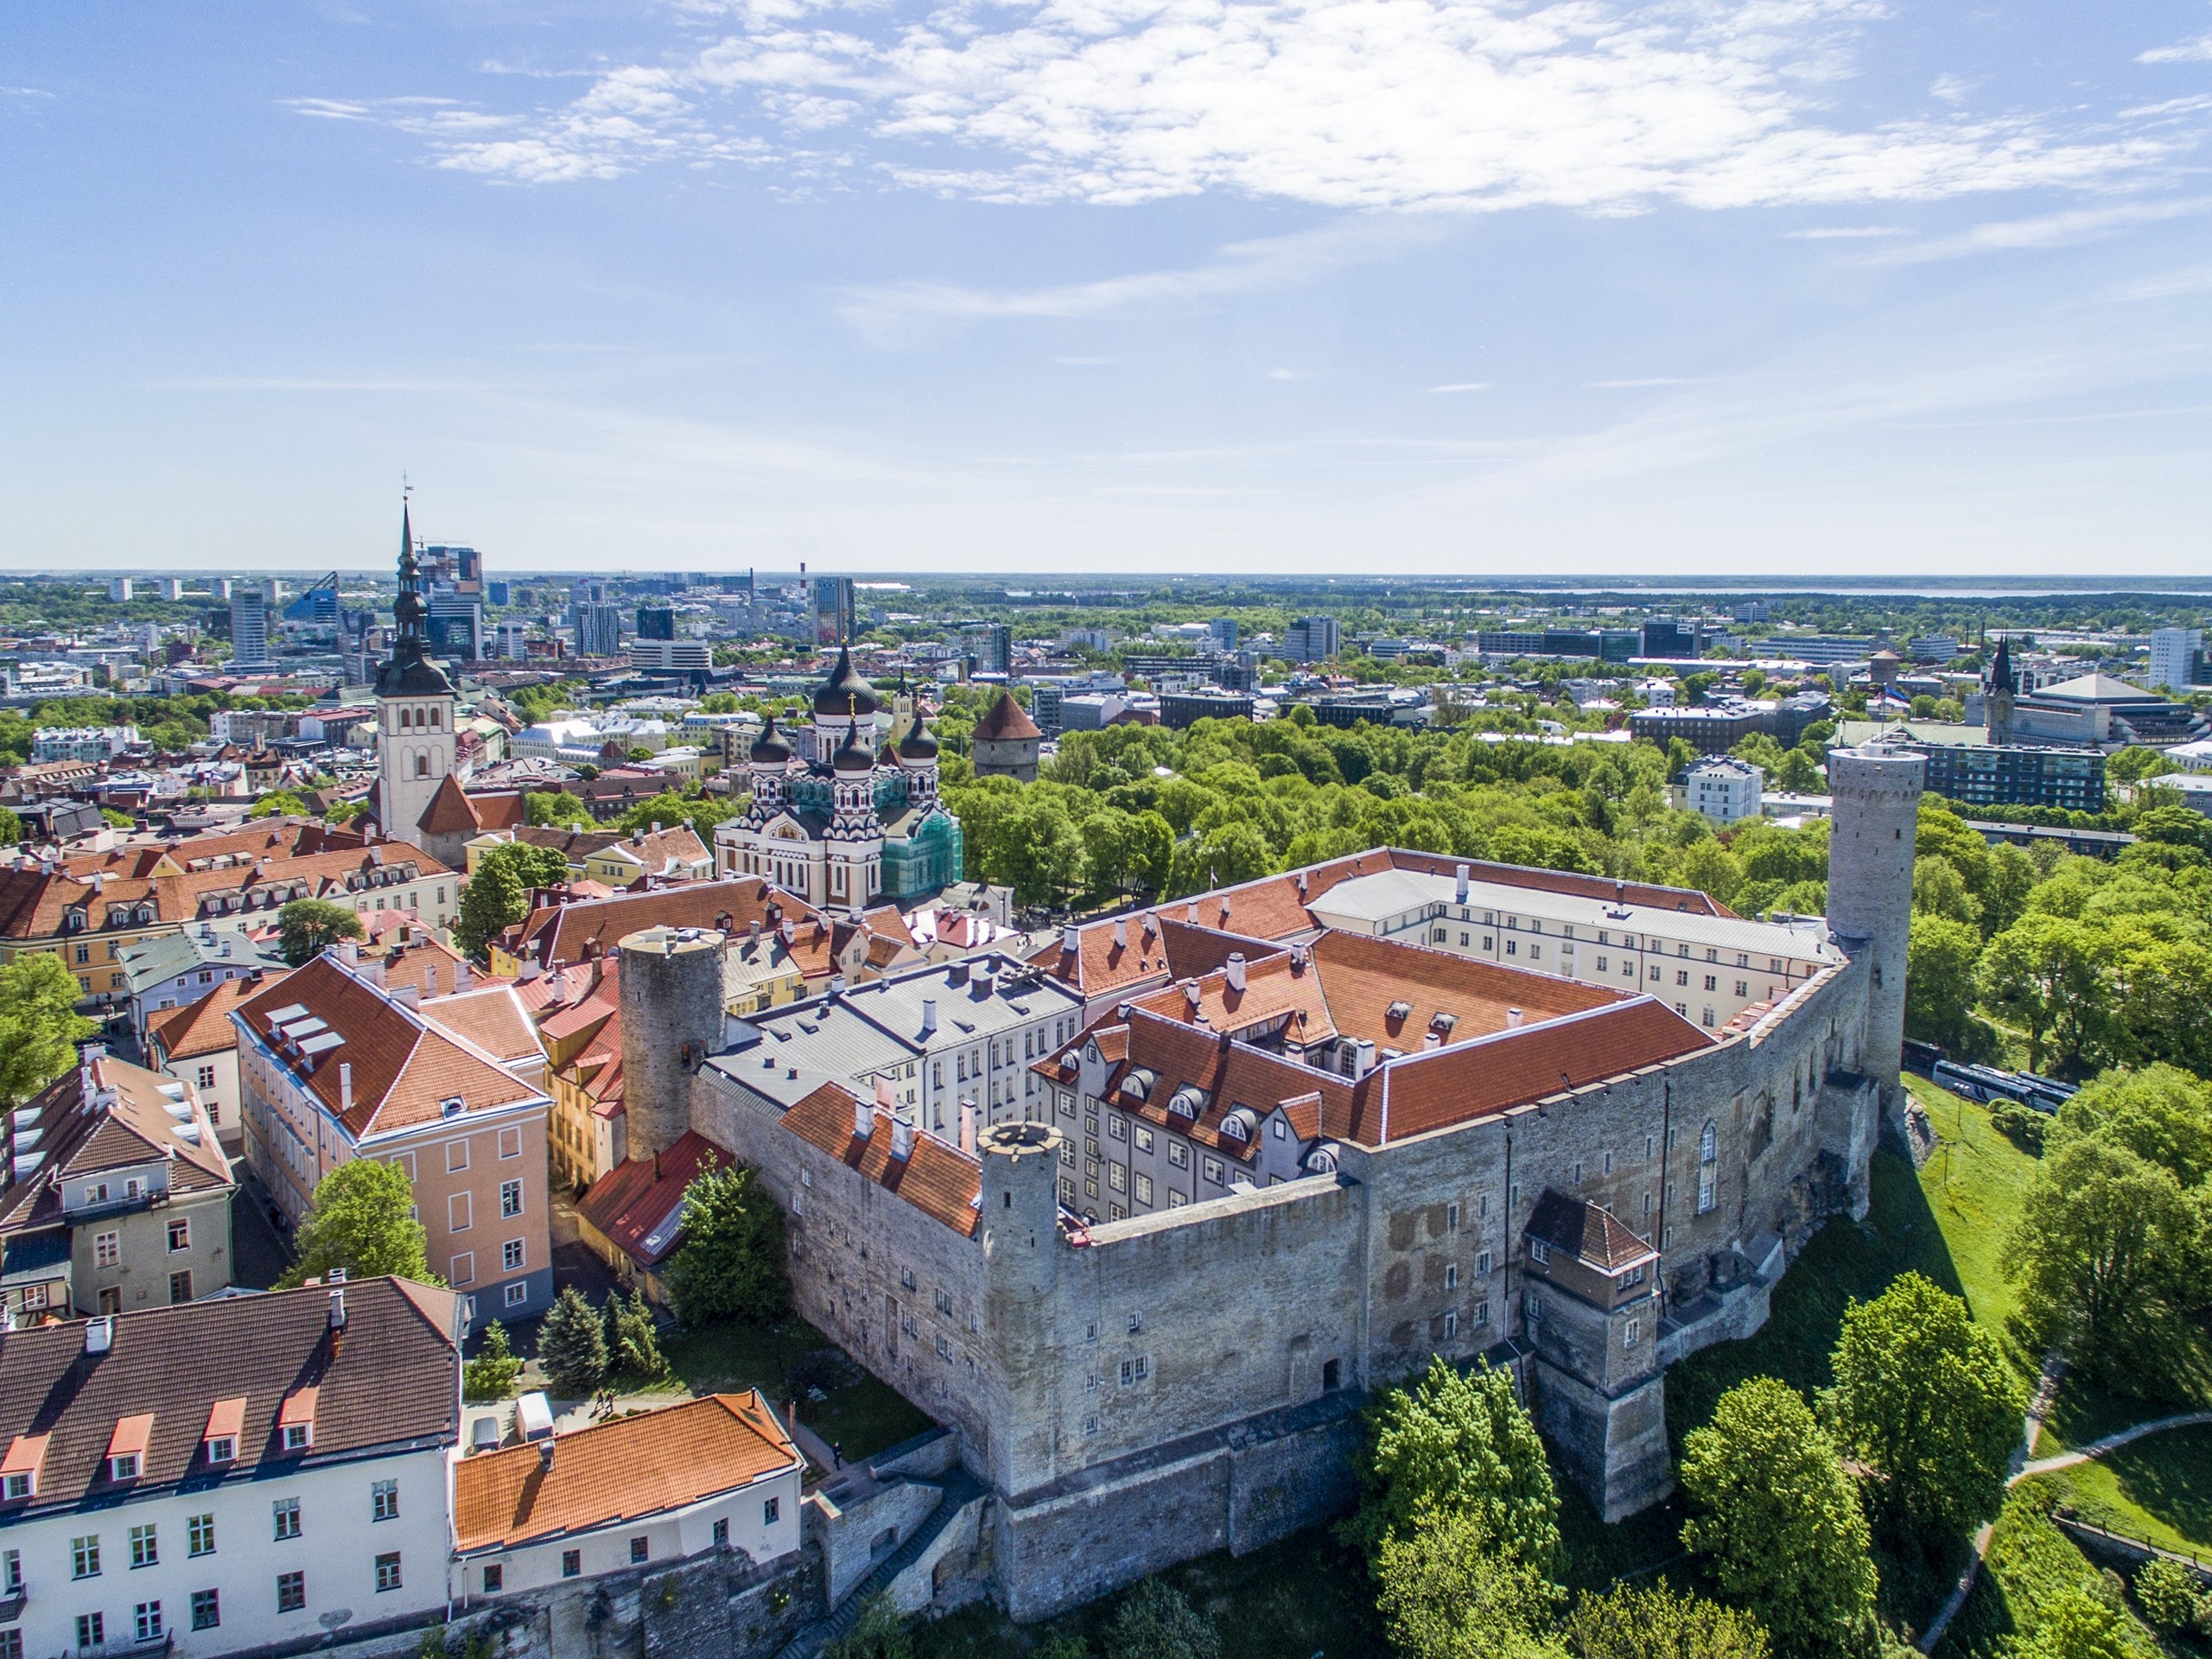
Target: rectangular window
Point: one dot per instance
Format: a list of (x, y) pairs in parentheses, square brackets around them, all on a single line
[(515, 1294), (1631, 1332), (1136, 1371), (12, 1572), (148, 1618), (181, 1234), (463, 1268), (511, 1256), (1117, 1176), (1144, 1189), (638, 1551), (285, 1513), (200, 1535), (85, 1556), (291, 1592), (772, 1510), (722, 1533), (1118, 1127), (1452, 1275), (384, 1500), (145, 1547), (1213, 1171), (495, 1579), (107, 1249), (1705, 1192), (206, 1609), (510, 1198), (1539, 1251), (1711, 982), (510, 1141), (1482, 1263), (458, 1218), (456, 1156), (388, 1571), (1178, 1155), (572, 1563), (92, 1628), (1682, 976), (180, 1287)]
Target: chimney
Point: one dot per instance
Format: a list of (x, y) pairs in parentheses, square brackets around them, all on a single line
[(1513, 1019), (408, 996), (99, 1334), (346, 1085), (1461, 873), (1071, 939), (1192, 993), (1365, 1061), (1192, 915), (1121, 1011), (863, 1120), (545, 1454), (1235, 970), (337, 1308), (928, 1016), (430, 979), (968, 1126), (902, 1139), (460, 977), (1121, 932)]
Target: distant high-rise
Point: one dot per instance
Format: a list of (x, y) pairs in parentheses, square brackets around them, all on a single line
[(1223, 631), (656, 622), (2177, 658), (1673, 641), (990, 647), (834, 615), (1313, 640), (118, 588), (249, 625), (598, 626)]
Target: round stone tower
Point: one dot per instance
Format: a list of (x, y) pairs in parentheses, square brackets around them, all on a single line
[(671, 997), (1877, 809), (1018, 1223)]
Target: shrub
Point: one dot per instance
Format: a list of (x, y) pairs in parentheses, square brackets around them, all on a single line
[(2166, 1592)]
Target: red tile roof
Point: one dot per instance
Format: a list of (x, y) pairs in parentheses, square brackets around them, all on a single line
[(1006, 722), (630, 1205), (1586, 1232), (204, 1027), (939, 1180)]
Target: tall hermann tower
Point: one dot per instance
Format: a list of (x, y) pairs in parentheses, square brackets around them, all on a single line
[(1876, 794), (415, 738)]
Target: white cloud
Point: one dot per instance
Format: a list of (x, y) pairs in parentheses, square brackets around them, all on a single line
[(1606, 106), (1652, 380), (2197, 51), (2045, 230), (1464, 385), (1845, 233)]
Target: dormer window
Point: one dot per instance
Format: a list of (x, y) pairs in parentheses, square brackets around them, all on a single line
[(1539, 1251), (225, 1422), (222, 1449), (19, 1470), (296, 1421), (126, 1446)]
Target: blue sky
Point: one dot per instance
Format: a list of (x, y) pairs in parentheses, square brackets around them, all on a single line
[(1345, 285)]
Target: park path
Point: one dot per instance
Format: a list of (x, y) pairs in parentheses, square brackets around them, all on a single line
[(2025, 1466)]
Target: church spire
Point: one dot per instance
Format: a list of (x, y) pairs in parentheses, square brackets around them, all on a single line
[(409, 610)]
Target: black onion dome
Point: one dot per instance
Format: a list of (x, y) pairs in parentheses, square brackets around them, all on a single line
[(918, 744), (853, 755), (846, 691), (770, 748)]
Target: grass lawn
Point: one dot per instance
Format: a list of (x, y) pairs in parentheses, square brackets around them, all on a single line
[(2159, 1489), (860, 1412)]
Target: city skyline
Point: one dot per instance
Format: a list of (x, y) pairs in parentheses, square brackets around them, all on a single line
[(1416, 287)]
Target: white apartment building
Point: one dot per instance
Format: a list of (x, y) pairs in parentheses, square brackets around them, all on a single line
[(1709, 968), (227, 1475), (2177, 658), (94, 743), (1723, 791)]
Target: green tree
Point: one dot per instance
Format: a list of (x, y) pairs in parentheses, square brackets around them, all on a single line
[(879, 1634), (2160, 1113), (361, 1219), (1451, 1443), (1156, 1621), (731, 1264), (1710, 867), (2071, 1624), (40, 1027), (1448, 1591), (306, 927), (2166, 1592), (1634, 1622), (1938, 889), (491, 1375), (2047, 974), (572, 1346), (279, 803), (2135, 763), (1924, 1398), (498, 893), (549, 809), (11, 827), (1149, 851), (632, 1345), (1941, 957), (2108, 1254), (1778, 1519)]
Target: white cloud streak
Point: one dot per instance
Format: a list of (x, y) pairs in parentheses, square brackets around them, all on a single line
[(2197, 51), (2044, 231), (1599, 105)]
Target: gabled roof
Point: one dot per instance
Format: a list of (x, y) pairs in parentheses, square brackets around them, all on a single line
[(204, 1027), (2092, 688), (1593, 1236), (554, 935), (388, 1383), (939, 1180), (635, 1205), (648, 1463), (403, 1067), (492, 1017), (108, 1115)]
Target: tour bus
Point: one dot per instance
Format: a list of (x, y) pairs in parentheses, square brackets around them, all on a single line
[(1988, 1084)]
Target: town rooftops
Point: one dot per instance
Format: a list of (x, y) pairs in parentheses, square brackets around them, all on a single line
[(204, 1027), (555, 934), (107, 1115), (195, 946), (388, 1382), (647, 1462)]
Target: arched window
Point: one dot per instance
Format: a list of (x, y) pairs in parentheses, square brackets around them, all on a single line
[(422, 766), (1708, 1144)]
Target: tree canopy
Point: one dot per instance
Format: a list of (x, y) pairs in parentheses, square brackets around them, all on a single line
[(731, 1264), (40, 1027), (307, 927), (360, 1219)]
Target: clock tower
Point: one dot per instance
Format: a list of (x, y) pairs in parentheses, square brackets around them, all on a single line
[(415, 736)]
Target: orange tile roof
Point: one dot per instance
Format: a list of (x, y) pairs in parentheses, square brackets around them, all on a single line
[(204, 1027), (1175, 1055), (554, 935), (624, 1469), (1007, 722), (83, 1134), (404, 1066), (939, 1180), (490, 1016)]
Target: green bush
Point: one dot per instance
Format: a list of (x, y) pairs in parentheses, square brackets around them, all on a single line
[(2166, 1592)]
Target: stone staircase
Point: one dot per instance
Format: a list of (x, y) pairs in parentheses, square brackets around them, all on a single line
[(960, 1489)]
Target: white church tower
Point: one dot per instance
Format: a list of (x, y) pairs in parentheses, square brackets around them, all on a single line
[(414, 710)]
